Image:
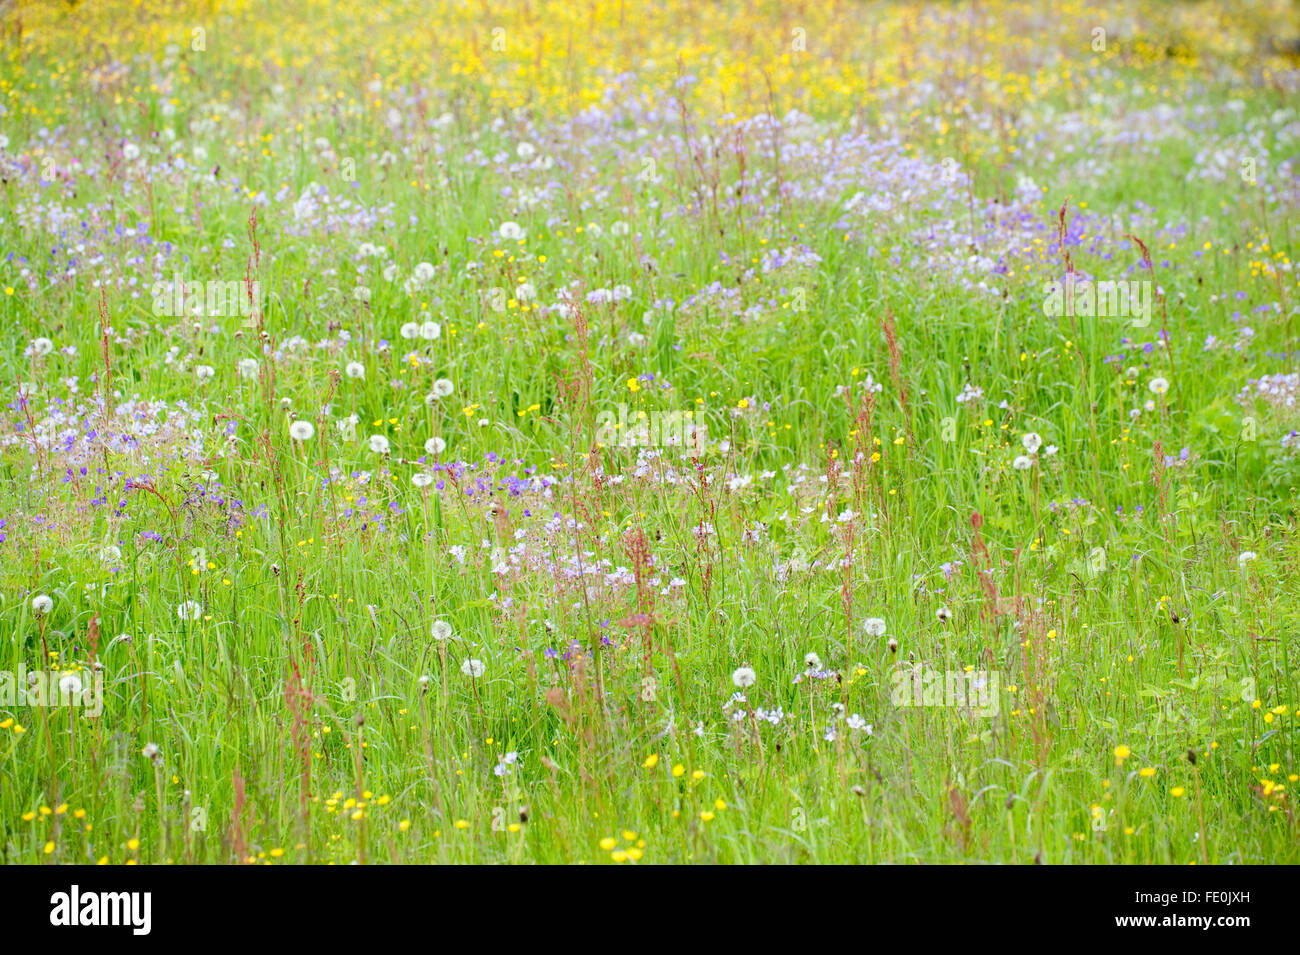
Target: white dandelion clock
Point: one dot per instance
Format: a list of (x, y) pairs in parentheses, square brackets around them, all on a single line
[(511, 231), (1158, 386), (441, 631), (204, 372), (355, 370), (1032, 441), (473, 668), (70, 686), (42, 604), (410, 330), (430, 331), (421, 478), (744, 677), (812, 661), (42, 347), (1023, 462), (302, 431), (378, 444), (443, 387), (435, 446), (874, 626), (247, 368), (189, 610), (943, 614)]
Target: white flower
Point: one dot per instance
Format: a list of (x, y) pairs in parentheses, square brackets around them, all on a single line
[(812, 661), (204, 372), (874, 626), (1246, 556), (421, 478), (411, 330), (130, 152), (424, 681), (473, 668), (1032, 441), (150, 751), (42, 604), (856, 722), (1022, 463), (70, 685), (424, 272), (302, 431), (744, 676), (189, 610), (511, 230), (378, 444), (435, 446), (354, 369), (109, 553), (1158, 386), (525, 151), (944, 614), (248, 368), (42, 347), (429, 331), (441, 631), (443, 387)]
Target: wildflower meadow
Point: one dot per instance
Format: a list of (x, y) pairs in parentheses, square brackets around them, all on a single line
[(649, 432)]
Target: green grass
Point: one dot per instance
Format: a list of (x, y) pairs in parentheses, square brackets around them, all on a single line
[(1144, 676)]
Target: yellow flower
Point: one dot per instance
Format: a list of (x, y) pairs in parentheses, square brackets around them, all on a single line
[(608, 843), (1177, 792), (1146, 772), (1122, 753), (651, 761)]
